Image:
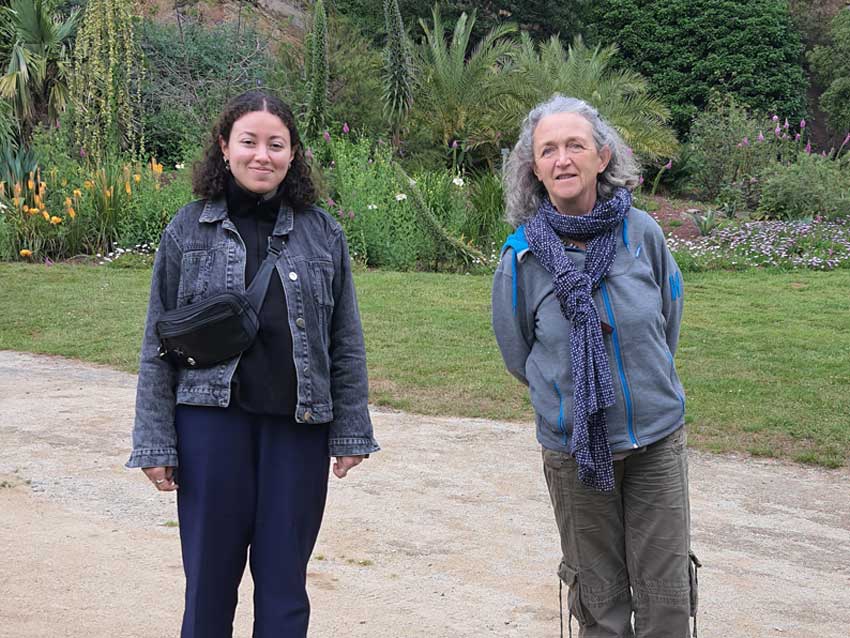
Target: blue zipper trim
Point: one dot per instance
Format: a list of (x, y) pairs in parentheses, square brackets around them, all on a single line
[(627, 395), (561, 413), (637, 252), (672, 367), (513, 281)]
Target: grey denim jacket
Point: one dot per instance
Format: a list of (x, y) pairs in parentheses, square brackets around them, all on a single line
[(201, 254)]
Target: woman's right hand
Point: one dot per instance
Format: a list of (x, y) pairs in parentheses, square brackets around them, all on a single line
[(161, 477)]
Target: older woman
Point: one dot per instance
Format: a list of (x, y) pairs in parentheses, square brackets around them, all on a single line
[(587, 302), (248, 439)]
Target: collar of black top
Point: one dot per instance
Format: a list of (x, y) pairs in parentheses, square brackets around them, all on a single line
[(244, 203)]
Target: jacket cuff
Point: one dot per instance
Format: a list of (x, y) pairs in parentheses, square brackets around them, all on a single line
[(153, 457), (352, 446)]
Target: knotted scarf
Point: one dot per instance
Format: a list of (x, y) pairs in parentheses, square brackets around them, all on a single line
[(593, 387)]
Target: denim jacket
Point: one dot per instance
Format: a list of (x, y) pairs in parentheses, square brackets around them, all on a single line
[(201, 254)]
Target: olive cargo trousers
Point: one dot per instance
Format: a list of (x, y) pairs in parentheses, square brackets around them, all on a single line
[(627, 551)]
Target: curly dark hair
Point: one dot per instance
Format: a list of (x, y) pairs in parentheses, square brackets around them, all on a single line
[(209, 175)]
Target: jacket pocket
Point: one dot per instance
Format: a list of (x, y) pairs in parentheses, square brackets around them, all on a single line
[(195, 270)]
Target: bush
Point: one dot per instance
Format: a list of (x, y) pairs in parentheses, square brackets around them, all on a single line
[(811, 186), (151, 209), (689, 48), (831, 64), (192, 71)]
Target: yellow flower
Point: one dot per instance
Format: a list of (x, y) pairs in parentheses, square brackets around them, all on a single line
[(64, 182), (127, 188), (46, 215), (78, 192), (26, 252), (31, 184), (71, 212), (68, 202), (2, 188), (25, 208), (55, 220), (156, 186), (137, 178), (37, 200), (17, 188), (87, 184)]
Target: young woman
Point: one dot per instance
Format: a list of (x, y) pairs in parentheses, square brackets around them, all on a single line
[(248, 440)]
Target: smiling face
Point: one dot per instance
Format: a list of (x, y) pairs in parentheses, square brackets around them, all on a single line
[(259, 150), (567, 161)]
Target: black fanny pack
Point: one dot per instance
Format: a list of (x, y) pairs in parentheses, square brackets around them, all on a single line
[(219, 328)]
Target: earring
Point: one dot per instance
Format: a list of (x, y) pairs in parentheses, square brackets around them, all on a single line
[(226, 164)]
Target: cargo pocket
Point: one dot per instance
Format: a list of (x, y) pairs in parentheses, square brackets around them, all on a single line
[(693, 578), (569, 577)]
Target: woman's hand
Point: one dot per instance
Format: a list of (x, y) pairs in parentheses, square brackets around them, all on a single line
[(161, 477), (345, 463)]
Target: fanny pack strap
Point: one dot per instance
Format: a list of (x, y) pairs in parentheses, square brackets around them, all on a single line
[(256, 293)]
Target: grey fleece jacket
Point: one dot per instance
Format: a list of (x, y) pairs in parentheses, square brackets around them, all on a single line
[(640, 298)]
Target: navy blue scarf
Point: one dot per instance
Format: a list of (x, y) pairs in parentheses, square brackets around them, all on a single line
[(593, 388)]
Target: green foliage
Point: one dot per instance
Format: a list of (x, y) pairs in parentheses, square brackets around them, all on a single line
[(192, 70), (813, 185), (15, 164), (621, 95), (398, 67), (689, 48), (317, 106), (831, 64), (151, 209), (462, 95), (106, 82), (485, 225), (38, 63)]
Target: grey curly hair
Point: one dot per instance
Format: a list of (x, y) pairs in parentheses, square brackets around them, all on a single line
[(523, 191)]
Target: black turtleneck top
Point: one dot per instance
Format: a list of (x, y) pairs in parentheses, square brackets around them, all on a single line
[(265, 381)]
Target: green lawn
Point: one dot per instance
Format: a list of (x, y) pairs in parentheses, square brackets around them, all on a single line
[(765, 357)]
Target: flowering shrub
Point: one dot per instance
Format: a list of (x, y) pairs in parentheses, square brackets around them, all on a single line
[(812, 185), (53, 214), (819, 244)]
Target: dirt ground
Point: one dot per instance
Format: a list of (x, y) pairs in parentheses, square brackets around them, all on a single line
[(446, 533)]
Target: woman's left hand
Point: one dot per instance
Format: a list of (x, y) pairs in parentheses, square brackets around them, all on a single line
[(345, 463)]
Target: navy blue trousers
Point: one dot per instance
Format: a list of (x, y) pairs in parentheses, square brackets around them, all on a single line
[(248, 481)]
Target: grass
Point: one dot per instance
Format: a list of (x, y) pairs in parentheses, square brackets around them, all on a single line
[(764, 356)]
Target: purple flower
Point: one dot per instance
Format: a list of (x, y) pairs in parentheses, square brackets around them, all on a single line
[(777, 131), (775, 118), (786, 123), (823, 153), (454, 144), (802, 124), (808, 147), (308, 154), (669, 165), (331, 202), (797, 137), (846, 140), (82, 152), (327, 136), (345, 128), (351, 214), (640, 180), (745, 141), (629, 150), (761, 137)]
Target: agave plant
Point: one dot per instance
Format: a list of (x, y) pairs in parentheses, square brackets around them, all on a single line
[(35, 80), (621, 96)]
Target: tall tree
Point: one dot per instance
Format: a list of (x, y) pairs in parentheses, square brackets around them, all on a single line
[(36, 75), (317, 105), (398, 69), (106, 85)]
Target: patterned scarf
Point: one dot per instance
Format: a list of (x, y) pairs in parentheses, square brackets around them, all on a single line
[(593, 388)]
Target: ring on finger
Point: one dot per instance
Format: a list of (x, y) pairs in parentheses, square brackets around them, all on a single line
[(159, 481)]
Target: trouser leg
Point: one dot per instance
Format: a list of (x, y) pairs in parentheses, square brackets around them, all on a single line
[(590, 524), (657, 521), (215, 505), (292, 481)]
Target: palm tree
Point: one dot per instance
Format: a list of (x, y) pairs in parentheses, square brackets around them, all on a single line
[(621, 96), (35, 80), (462, 95)]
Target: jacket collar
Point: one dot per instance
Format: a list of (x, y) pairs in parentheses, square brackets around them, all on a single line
[(215, 210)]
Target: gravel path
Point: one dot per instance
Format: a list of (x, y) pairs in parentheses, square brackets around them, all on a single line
[(446, 533)]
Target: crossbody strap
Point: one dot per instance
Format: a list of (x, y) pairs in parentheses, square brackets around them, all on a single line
[(256, 293)]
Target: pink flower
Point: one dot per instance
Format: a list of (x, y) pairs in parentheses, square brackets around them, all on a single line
[(345, 128), (331, 202), (775, 118), (629, 150), (327, 136), (745, 141), (777, 131), (761, 137), (846, 140), (797, 137), (351, 214), (823, 153), (640, 180), (802, 124), (308, 154), (786, 123), (454, 143), (82, 152), (669, 165), (808, 148)]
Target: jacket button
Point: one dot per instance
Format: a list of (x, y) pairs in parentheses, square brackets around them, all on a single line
[(293, 276), (300, 322), (306, 369), (308, 416)]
